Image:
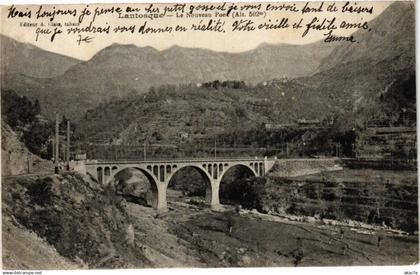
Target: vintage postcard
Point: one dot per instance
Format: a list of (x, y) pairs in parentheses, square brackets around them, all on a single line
[(257, 134)]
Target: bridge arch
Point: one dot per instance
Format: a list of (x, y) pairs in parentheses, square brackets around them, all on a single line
[(249, 168), (154, 185), (99, 174), (204, 175), (231, 191)]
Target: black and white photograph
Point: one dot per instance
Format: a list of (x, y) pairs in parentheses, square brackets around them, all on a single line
[(208, 135)]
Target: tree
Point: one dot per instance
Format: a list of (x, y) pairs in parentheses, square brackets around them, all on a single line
[(23, 115), (37, 138), (18, 111)]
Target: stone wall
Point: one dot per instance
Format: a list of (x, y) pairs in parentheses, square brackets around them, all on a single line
[(387, 143), (393, 204), (301, 167)]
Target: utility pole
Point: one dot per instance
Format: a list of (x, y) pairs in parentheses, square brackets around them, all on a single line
[(337, 149), (144, 151), (53, 147), (57, 149), (215, 150), (68, 146), (29, 162)]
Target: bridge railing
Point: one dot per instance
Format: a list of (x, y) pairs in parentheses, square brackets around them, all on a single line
[(221, 159)]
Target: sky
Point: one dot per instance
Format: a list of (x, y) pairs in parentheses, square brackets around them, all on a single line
[(226, 41)]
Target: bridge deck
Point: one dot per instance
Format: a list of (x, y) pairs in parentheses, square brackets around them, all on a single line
[(200, 160)]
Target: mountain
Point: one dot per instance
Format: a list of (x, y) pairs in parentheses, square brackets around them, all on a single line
[(391, 35), (362, 72), (170, 114), (360, 85), (140, 68), (119, 70), (348, 75), (26, 59)]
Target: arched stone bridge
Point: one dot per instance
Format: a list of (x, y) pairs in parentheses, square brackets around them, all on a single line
[(159, 173)]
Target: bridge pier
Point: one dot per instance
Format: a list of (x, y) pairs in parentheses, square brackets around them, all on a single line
[(214, 199), (212, 196), (161, 203)]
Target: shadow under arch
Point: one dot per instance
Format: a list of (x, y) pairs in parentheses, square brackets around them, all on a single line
[(186, 178), (152, 193), (230, 191)]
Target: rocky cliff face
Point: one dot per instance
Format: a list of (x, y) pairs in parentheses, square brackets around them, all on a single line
[(16, 158), (84, 221)]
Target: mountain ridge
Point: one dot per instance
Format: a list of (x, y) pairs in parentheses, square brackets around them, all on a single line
[(350, 93), (28, 59), (125, 69), (379, 42), (120, 70)]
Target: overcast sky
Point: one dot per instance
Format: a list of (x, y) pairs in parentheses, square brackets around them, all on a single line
[(231, 42)]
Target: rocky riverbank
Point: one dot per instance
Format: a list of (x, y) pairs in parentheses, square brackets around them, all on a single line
[(77, 223)]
